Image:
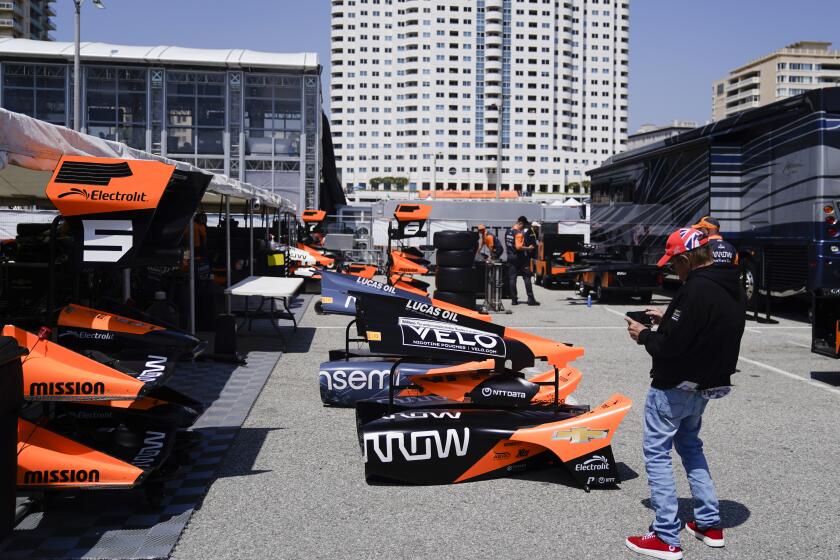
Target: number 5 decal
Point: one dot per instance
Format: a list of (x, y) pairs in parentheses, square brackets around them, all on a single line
[(106, 240)]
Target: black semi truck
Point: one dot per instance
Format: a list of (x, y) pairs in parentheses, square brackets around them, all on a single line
[(771, 175)]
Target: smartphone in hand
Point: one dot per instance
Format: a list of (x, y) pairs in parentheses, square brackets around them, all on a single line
[(640, 317)]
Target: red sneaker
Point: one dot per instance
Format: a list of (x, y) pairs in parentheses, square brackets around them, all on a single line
[(712, 537), (651, 545)]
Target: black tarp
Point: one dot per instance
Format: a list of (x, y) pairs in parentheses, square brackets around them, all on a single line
[(332, 194)]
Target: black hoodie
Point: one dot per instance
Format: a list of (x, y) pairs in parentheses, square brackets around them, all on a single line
[(700, 335)]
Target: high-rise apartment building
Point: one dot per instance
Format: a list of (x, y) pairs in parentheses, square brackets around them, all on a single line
[(434, 90), (795, 69), (27, 19)]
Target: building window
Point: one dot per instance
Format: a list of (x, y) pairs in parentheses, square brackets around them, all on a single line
[(195, 109), (36, 90), (273, 122), (116, 104)]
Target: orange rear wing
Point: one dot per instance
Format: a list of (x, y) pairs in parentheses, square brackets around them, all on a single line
[(310, 216), (312, 221), (86, 318), (52, 372), (410, 221), (555, 353), (125, 212)]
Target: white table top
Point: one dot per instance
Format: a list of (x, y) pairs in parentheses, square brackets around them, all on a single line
[(267, 286)]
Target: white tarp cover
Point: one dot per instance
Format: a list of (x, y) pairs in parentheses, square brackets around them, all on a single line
[(37, 146)]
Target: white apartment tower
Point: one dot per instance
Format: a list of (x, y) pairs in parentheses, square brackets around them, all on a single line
[(427, 89)]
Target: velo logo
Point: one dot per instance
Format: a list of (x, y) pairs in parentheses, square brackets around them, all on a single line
[(425, 333)]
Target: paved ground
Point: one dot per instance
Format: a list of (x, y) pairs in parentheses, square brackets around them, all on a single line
[(293, 486)]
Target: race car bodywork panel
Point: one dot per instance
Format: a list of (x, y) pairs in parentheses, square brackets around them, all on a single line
[(313, 216), (319, 258), (363, 270), (52, 372), (48, 460), (425, 329), (83, 327), (477, 383), (125, 212), (408, 263), (410, 284), (477, 422), (336, 297), (421, 445), (345, 382)]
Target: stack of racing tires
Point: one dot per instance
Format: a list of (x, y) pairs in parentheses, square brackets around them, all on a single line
[(455, 276)]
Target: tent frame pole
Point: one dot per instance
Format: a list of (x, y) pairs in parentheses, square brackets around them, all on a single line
[(227, 251), (192, 275), (251, 236)]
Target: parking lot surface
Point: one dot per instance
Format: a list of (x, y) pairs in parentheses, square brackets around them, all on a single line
[(293, 485)]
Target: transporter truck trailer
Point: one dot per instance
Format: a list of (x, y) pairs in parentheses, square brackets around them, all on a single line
[(771, 175)]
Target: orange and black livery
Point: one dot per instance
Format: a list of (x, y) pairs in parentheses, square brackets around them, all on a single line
[(408, 222), (556, 255), (125, 212), (482, 419)]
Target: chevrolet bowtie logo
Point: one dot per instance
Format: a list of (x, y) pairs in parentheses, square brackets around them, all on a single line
[(579, 435)]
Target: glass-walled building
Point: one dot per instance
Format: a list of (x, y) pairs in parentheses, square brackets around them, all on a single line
[(253, 116)]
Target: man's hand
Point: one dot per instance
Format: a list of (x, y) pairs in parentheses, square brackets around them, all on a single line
[(634, 328), (655, 315)]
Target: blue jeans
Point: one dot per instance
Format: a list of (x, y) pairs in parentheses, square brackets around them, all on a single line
[(673, 417)]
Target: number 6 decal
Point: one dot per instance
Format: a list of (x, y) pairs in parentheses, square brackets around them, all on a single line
[(106, 240)]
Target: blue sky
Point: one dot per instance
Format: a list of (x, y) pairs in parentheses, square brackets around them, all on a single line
[(677, 47)]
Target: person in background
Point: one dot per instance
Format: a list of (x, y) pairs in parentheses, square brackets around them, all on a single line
[(723, 253), (489, 246), (199, 226), (694, 352), (535, 229), (520, 244)]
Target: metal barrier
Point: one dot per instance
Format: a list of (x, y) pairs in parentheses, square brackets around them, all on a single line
[(493, 278)]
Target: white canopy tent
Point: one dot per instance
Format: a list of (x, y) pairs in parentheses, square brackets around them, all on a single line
[(30, 149)]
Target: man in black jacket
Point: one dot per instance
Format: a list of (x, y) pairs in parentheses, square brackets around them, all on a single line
[(694, 350)]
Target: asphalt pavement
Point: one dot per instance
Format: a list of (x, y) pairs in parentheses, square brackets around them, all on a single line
[(292, 485)]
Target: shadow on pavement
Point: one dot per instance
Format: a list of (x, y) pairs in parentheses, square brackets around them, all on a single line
[(732, 514), (243, 453), (299, 342)]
